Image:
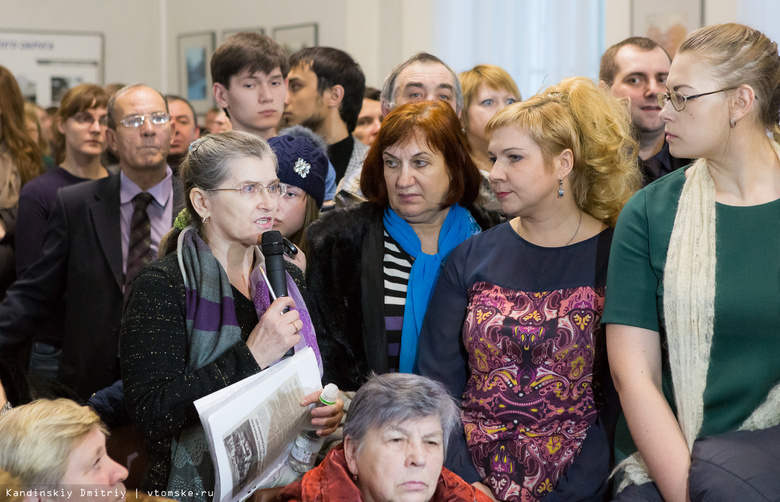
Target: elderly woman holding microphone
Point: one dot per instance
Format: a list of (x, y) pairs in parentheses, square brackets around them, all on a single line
[(199, 318)]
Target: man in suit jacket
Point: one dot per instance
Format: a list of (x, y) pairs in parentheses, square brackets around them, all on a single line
[(85, 249)]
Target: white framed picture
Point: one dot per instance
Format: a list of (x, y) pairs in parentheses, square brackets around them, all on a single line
[(48, 63), (667, 22), (195, 50), (296, 37)]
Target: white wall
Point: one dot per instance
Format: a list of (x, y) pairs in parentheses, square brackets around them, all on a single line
[(618, 15), (188, 16), (141, 35), (132, 31)]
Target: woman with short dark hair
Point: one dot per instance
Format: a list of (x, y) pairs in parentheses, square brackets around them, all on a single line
[(372, 267)]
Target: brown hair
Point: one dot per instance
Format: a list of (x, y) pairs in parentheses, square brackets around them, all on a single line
[(609, 68), (81, 98), (596, 127), (372, 93), (437, 121), (739, 54), (31, 113), (312, 212), (490, 75), (247, 51), (24, 151)]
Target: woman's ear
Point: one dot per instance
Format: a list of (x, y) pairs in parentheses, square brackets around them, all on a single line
[(60, 126), (350, 453), (564, 163), (742, 102), (200, 202)]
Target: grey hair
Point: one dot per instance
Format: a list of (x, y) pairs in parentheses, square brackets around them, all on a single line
[(392, 398), (390, 86), (111, 107)]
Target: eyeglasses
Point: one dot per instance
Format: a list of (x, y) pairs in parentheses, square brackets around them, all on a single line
[(85, 118), (275, 189), (157, 118), (678, 100)]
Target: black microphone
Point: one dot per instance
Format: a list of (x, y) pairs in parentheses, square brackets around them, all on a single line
[(272, 246), (273, 250)]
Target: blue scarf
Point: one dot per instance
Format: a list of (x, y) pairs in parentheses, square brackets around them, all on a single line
[(458, 226)]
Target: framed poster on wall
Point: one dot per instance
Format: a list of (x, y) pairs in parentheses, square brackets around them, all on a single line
[(296, 37), (195, 50), (667, 22), (48, 63)]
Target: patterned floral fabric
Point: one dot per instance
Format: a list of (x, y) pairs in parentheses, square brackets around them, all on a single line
[(529, 400)]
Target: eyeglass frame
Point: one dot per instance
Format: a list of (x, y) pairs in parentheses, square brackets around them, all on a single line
[(143, 119), (664, 97), (282, 187)]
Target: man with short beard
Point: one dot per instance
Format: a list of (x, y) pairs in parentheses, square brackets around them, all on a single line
[(325, 93)]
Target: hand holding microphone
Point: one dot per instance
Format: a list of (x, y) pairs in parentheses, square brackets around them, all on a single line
[(272, 246)]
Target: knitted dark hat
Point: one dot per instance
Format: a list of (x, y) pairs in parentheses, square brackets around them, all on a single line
[(301, 164)]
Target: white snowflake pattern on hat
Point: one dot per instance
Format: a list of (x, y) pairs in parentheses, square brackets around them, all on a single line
[(302, 167)]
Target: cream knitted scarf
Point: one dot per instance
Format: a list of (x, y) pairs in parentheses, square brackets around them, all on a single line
[(689, 311)]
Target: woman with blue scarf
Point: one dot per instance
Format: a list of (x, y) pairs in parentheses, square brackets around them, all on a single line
[(200, 319), (372, 267)]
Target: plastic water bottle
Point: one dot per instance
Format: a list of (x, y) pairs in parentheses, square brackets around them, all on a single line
[(308, 444)]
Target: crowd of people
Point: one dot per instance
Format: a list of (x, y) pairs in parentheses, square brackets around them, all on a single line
[(519, 300)]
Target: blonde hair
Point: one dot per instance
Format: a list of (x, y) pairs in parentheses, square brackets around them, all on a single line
[(737, 55), (490, 75), (37, 438), (592, 123)]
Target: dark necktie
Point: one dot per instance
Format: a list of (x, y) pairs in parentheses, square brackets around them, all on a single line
[(139, 252)]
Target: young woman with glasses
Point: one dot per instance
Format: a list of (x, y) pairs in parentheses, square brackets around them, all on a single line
[(81, 140), (693, 294)]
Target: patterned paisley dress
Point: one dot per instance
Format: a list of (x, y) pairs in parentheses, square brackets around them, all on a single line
[(530, 332)]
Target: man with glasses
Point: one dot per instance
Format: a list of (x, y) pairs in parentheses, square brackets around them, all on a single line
[(636, 69), (99, 234)]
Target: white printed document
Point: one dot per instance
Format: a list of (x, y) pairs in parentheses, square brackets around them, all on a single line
[(252, 424)]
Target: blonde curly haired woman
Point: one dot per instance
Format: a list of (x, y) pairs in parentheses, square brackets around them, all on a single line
[(513, 326)]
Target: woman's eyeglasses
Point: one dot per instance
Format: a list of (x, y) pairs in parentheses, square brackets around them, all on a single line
[(275, 189), (678, 100)]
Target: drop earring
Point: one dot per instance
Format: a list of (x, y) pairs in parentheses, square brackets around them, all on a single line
[(560, 189), (733, 122)]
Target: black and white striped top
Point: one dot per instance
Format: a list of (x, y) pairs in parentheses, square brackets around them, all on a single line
[(397, 265)]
